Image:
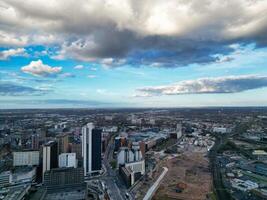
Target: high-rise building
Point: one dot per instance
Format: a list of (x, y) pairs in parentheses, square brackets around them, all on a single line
[(67, 160), (25, 158), (91, 148), (63, 143), (179, 130), (50, 156), (76, 147), (35, 139)]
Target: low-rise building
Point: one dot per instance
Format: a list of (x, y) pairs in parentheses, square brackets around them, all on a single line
[(131, 172), (26, 158), (67, 160), (59, 178), (5, 178)]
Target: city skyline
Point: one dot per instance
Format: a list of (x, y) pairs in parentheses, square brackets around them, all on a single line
[(91, 54)]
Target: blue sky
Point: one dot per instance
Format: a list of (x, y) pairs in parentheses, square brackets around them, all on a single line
[(116, 59)]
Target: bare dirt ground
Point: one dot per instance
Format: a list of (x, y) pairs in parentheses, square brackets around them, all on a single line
[(190, 168)]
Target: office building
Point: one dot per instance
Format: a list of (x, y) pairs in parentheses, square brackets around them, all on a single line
[(5, 178), (91, 148), (126, 155), (63, 178), (131, 172), (76, 147), (24, 175), (50, 156), (25, 158), (67, 160), (63, 143), (120, 141), (179, 130), (35, 140)]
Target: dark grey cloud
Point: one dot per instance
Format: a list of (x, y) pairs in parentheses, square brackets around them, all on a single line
[(168, 33), (165, 50), (12, 89), (229, 84)]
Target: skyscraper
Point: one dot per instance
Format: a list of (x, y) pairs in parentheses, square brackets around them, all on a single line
[(179, 130), (63, 143), (91, 148), (35, 141), (50, 156)]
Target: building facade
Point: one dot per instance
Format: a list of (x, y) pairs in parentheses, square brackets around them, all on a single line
[(63, 178), (63, 143), (26, 158), (91, 148), (50, 156), (5, 178), (67, 160)]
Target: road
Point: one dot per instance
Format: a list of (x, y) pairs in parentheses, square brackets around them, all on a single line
[(220, 190), (115, 187), (155, 186)]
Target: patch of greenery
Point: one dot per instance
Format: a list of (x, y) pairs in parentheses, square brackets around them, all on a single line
[(228, 146), (113, 164)]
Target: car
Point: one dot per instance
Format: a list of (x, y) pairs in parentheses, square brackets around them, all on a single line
[(127, 195)]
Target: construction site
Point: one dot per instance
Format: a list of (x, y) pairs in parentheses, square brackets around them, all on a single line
[(188, 177)]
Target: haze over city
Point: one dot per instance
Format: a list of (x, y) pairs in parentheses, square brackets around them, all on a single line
[(122, 53)]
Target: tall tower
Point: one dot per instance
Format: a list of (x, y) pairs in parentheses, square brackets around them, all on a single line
[(91, 148), (35, 141), (63, 143), (50, 156), (179, 130)]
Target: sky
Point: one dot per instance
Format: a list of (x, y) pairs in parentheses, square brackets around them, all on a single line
[(132, 53)]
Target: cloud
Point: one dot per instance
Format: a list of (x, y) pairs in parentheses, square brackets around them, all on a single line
[(106, 92), (67, 75), (55, 103), (140, 32), (75, 103), (79, 67), (37, 68), (228, 84), (111, 62), (6, 54), (91, 76), (12, 89), (93, 68)]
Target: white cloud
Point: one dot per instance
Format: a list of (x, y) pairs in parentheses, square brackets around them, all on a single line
[(106, 92), (107, 61), (91, 76), (37, 68), (111, 62), (79, 67), (93, 68), (4, 55), (67, 75), (228, 84)]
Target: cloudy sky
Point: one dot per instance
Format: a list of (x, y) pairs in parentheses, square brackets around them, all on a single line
[(133, 53)]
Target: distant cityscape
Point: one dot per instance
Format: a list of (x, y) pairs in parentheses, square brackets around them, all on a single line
[(75, 154), (133, 99)]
